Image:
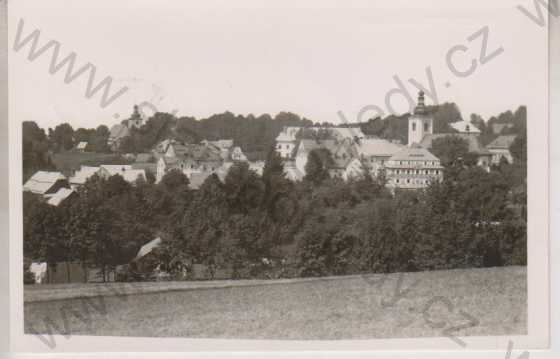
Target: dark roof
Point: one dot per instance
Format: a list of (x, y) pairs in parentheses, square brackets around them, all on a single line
[(502, 142), (118, 131), (148, 166), (144, 157), (197, 152), (415, 153)]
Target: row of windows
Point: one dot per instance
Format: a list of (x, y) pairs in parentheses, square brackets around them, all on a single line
[(425, 163), (426, 126), (409, 181), (287, 146), (203, 167), (411, 172)]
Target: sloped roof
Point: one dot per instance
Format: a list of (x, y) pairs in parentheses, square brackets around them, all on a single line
[(284, 137), (116, 169), (347, 132), (144, 157), (377, 147), (306, 145), (162, 146), (475, 146), (133, 174), (197, 152), (465, 127), (118, 131), (222, 144), (81, 176), (293, 173), (288, 133), (42, 181), (196, 179), (169, 160), (148, 166), (147, 248), (348, 151), (502, 142), (82, 145), (59, 196), (415, 153), (497, 128)]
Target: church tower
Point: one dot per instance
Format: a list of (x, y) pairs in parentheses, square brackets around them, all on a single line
[(420, 123)]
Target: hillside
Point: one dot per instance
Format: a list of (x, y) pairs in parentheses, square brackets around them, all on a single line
[(254, 134)]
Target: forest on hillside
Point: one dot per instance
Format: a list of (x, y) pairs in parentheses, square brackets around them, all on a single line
[(254, 134)]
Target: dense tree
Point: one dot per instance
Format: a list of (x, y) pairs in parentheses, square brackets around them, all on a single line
[(35, 147), (518, 148), (244, 188), (267, 226), (454, 154), (62, 137), (317, 167)]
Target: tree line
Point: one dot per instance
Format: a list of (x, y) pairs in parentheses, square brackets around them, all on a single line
[(268, 226)]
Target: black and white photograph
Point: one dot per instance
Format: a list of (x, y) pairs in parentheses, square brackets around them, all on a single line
[(279, 172)]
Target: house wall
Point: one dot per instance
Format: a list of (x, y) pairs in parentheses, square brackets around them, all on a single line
[(413, 174), (418, 127), (498, 154), (285, 149)]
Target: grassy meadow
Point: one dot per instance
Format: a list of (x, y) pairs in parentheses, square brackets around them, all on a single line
[(489, 301)]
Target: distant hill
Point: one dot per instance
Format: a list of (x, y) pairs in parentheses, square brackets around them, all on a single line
[(254, 134), (396, 127)]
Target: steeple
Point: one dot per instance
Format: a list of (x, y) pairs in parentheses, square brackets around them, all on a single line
[(420, 108), (420, 123)]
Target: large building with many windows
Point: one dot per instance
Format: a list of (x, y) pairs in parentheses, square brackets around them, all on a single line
[(413, 168)]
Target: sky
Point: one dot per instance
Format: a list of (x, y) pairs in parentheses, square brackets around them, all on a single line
[(319, 59)]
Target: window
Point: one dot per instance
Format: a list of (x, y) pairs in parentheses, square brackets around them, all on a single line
[(426, 126), (397, 180), (426, 172), (468, 128), (414, 126), (407, 181), (437, 172)]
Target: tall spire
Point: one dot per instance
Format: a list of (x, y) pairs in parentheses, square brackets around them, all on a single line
[(420, 108)]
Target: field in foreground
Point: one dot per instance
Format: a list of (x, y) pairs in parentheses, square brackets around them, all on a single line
[(491, 301)]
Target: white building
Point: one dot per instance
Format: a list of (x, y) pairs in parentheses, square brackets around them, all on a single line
[(420, 122), (375, 152), (286, 141), (82, 175), (45, 183), (128, 173), (465, 127), (413, 168), (499, 148)]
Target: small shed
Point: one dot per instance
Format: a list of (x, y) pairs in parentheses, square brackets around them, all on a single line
[(61, 195), (81, 147), (44, 183)]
